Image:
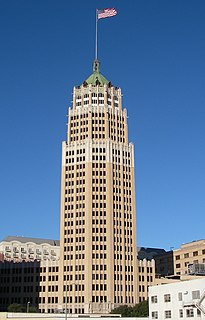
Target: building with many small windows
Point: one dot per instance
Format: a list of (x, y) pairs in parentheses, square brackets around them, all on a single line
[(30, 282), (29, 273), (96, 265), (188, 259), (36, 281), (19, 249), (179, 300), (98, 257), (146, 277), (192, 253), (98, 253)]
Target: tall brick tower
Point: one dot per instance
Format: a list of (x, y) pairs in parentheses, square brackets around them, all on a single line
[(98, 216)]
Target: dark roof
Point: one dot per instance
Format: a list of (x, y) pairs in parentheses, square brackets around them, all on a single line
[(35, 240), (148, 253)]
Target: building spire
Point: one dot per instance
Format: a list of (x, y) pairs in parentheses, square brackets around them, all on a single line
[(96, 66), (96, 78)]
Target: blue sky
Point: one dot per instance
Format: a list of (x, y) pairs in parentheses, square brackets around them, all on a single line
[(154, 50)]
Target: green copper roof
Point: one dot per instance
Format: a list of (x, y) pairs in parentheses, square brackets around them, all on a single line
[(96, 77)]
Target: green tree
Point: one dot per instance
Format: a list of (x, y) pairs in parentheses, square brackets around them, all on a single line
[(15, 307), (32, 309), (141, 309), (125, 311)]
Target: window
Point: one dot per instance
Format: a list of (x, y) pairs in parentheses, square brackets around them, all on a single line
[(186, 255), (168, 314), (180, 296), (196, 294), (195, 253), (178, 257), (154, 299), (190, 313), (198, 312), (167, 298), (178, 265), (154, 314)]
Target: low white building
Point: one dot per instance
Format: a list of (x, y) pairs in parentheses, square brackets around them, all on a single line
[(178, 300)]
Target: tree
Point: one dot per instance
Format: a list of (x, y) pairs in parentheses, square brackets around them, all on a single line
[(32, 309), (139, 310), (125, 311), (15, 307)]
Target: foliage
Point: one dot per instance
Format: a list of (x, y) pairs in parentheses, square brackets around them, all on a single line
[(139, 310), (15, 307), (32, 309), (124, 310)]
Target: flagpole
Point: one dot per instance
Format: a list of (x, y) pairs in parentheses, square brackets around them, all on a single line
[(96, 35)]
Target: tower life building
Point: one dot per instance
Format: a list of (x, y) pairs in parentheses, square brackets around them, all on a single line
[(98, 265)]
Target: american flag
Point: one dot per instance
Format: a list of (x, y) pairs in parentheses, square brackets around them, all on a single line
[(106, 13)]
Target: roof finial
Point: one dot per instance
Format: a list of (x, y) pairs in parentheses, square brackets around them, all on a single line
[(96, 78), (96, 66)]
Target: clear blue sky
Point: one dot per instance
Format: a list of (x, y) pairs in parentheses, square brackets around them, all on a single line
[(155, 51)]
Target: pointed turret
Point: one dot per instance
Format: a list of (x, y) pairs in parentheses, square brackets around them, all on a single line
[(96, 78)]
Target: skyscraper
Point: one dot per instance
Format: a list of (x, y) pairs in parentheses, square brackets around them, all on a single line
[(98, 265)]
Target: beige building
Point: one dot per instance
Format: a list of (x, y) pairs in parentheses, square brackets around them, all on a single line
[(146, 277), (94, 268), (192, 253), (36, 283), (19, 249), (188, 259), (98, 220), (32, 279), (30, 284)]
